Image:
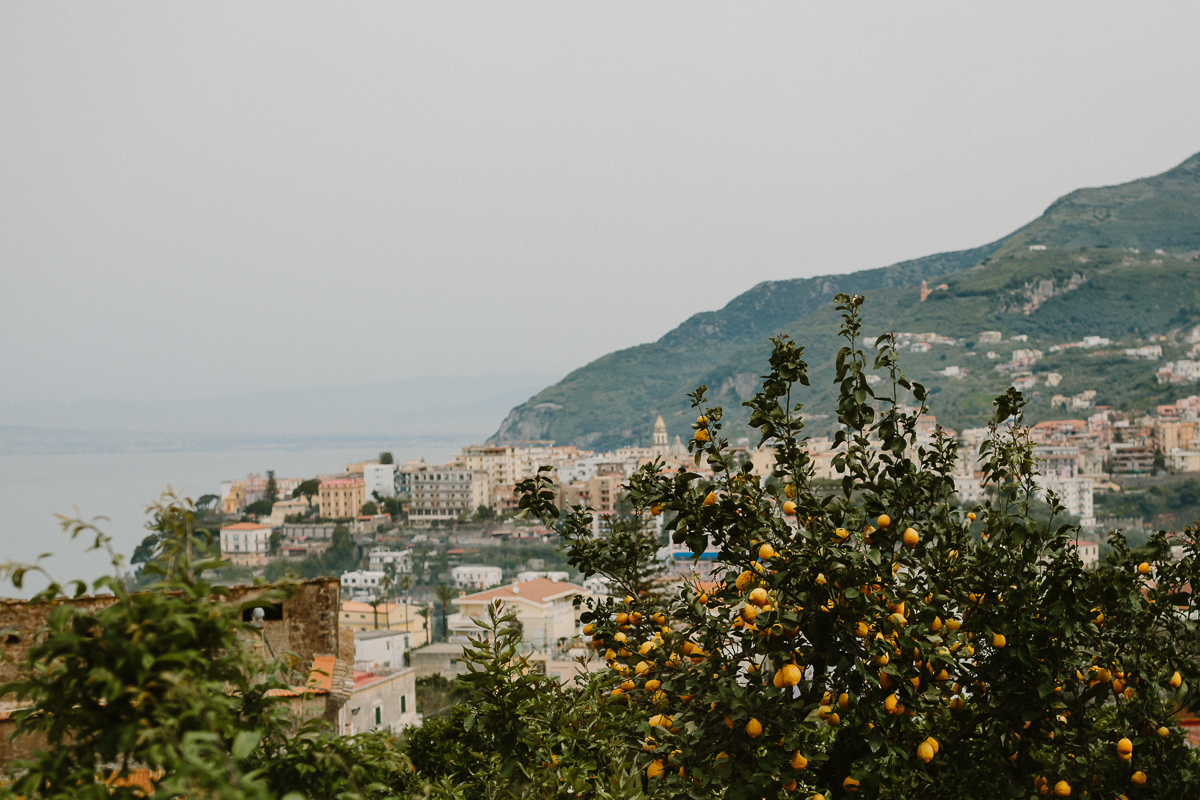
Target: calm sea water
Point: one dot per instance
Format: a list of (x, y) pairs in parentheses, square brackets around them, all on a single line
[(120, 485)]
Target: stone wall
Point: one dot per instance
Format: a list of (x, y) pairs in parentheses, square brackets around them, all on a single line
[(306, 624)]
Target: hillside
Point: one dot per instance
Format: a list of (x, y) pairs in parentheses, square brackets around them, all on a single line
[(1113, 265)]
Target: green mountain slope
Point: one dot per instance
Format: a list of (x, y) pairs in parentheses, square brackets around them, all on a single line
[(1099, 275)]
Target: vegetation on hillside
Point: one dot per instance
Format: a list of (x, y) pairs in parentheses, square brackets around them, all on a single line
[(1128, 296)]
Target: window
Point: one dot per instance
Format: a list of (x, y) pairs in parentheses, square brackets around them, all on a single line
[(378, 715), (403, 704)]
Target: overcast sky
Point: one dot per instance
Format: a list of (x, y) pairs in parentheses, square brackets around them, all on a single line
[(206, 198)]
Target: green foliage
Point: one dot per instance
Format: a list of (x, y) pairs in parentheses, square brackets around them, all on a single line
[(158, 678), (386, 458), (307, 489), (444, 747), (445, 595), (260, 508), (316, 764), (436, 693), (341, 556), (852, 628), (370, 507), (522, 733)]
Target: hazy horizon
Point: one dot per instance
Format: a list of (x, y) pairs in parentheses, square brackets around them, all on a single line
[(214, 200)]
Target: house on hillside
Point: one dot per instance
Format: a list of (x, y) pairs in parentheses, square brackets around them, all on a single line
[(545, 609)]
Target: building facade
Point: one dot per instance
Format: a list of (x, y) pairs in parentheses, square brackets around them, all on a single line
[(379, 480), (402, 617), (233, 497), (445, 493), (544, 608), (246, 544), (380, 649), (341, 498), (380, 557), (381, 702), (361, 581), (476, 576)]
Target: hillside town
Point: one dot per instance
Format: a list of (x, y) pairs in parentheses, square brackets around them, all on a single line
[(415, 525)]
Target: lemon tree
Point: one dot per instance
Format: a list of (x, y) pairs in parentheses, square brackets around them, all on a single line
[(883, 640)]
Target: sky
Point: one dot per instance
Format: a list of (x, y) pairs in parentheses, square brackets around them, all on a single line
[(205, 200)]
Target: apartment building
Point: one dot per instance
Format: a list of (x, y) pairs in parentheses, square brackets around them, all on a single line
[(508, 464), (246, 544), (600, 492), (443, 494), (1076, 495), (379, 479), (341, 498)]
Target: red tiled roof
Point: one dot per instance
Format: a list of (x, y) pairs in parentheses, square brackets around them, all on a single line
[(244, 526), (362, 679)]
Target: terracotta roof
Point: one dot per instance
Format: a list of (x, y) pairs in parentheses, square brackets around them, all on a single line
[(362, 679), (538, 590), (321, 676), (244, 526)]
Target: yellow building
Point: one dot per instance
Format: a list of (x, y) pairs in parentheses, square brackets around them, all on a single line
[(341, 498), (233, 497), (401, 617)]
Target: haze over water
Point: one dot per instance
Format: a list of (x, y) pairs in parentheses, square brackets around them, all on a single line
[(33, 488)]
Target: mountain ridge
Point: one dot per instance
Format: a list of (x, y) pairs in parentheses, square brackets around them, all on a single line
[(614, 399)]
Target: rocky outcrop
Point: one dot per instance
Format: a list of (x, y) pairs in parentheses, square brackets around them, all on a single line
[(526, 423)]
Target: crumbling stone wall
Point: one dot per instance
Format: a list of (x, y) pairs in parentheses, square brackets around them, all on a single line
[(308, 627)]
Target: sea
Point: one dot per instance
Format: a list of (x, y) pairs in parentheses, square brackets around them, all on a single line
[(115, 488)]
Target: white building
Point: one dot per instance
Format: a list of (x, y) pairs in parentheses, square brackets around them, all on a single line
[(1089, 553), (246, 544), (380, 702), (522, 577), (379, 479), (1074, 493), (381, 556), (445, 493), (597, 586), (545, 609), (361, 581), (1150, 352), (380, 649), (476, 576)]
